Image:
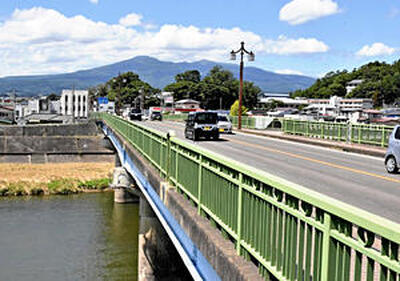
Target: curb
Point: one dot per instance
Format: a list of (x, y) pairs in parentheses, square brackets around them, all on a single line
[(371, 151)]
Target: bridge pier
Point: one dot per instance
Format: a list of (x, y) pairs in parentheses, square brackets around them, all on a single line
[(158, 258), (122, 184)]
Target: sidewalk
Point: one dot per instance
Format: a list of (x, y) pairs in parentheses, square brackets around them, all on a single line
[(350, 147)]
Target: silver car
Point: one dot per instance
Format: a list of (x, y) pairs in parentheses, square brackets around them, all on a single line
[(392, 157), (224, 124)]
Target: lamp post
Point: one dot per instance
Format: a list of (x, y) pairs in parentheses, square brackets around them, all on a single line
[(251, 57)]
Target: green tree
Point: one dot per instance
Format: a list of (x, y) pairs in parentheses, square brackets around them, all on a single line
[(190, 76), (273, 104), (186, 85), (218, 87), (129, 88), (184, 90)]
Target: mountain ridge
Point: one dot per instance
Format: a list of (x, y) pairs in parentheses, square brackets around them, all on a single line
[(155, 72)]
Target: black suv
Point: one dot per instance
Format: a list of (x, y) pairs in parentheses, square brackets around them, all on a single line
[(135, 114), (202, 124), (156, 115)]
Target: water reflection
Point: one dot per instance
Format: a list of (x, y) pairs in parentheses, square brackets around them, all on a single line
[(78, 237)]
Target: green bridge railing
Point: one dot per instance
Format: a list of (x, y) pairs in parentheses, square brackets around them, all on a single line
[(248, 122), (354, 133), (288, 231)]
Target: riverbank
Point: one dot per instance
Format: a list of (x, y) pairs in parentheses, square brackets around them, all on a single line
[(54, 178)]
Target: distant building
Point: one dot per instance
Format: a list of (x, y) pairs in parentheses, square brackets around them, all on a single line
[(6, 114), (340, 107), (286, 101), (75, 103), (187, 105), (350, 86), (108, 107)]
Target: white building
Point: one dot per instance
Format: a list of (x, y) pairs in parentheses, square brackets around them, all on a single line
[(33, 106), (108, 107), (187, 105), (350, 86), (75, 103)]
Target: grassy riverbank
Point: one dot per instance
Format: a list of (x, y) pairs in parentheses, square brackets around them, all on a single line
[(54, 178)]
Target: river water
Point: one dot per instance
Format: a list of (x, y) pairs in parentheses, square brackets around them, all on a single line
[(76, 237)]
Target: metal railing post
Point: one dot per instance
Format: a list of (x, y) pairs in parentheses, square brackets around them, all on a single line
[(322, 130), (239, 215), (199, 182), (383, 136), (325, 247), (168, 156)]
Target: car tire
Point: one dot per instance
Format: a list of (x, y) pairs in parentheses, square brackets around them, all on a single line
[(391, 165), (195, 136)]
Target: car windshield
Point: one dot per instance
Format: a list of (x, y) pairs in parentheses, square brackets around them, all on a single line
[(135, 111), (223, 118), (206, 118)]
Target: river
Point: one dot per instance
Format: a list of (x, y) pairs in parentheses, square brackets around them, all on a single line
[(76, 237)]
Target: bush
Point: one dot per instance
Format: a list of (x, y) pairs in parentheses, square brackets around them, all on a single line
[(235, 109), (4, 191), (99, 184), (36, 191), (16, 189), (62, 186)]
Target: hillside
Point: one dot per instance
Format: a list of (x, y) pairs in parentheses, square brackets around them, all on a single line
[(381, 82), (157, 73)]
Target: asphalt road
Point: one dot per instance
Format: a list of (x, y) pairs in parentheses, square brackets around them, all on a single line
[(359, 180)]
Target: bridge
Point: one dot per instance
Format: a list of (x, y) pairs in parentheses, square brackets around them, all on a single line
[(283, 230)]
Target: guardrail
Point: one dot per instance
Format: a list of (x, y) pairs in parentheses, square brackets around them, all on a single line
[(247, 122), (290, 232), (354, 133)]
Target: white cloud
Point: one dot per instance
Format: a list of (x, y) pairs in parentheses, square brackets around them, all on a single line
[(42, 40), (288, 46), (131, 20), (301, 11), (289, 71), (94, 1), (376, 49)]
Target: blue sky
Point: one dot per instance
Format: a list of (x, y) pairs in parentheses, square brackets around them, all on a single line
[(310, 37)]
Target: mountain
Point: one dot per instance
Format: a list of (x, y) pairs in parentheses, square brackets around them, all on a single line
[(155, 72)]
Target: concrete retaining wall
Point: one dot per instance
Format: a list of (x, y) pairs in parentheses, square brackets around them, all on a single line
[(54, 143)]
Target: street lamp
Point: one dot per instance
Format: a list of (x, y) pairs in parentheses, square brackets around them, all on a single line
[(251, 57)]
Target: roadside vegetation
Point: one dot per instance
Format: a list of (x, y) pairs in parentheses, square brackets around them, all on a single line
[(217, 90), (381, 82), (49, 179)]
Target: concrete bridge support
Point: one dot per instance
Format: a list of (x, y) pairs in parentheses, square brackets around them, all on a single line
[(123, 186), (158, 258)]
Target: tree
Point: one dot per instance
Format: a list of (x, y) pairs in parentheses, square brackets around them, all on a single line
[(190, 76), (235, 109), (52, 97), (381, 82), (184, 90), (129, 88), (186, 85), (273, 104), (219, 86)]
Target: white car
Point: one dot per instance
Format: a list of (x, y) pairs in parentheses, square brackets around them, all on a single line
[(224, 124)]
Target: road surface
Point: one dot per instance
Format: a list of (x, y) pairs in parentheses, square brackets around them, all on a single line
[(359, 180)]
